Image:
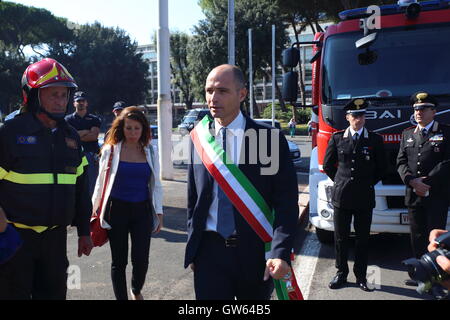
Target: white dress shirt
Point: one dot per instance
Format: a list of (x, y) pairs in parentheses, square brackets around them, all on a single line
[(428, 127), (360, 132), (235, 134)]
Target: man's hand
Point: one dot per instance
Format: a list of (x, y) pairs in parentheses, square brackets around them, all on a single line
[(419, 187), (82, 133), (442, 261), (3, 223), (85, 245), (276, 268)]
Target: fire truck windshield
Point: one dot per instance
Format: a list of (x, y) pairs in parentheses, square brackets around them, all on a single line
[(400, 62)]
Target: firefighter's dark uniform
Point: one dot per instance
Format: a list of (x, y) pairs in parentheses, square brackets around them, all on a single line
[(425, 156), (43, 189), (355, 167)]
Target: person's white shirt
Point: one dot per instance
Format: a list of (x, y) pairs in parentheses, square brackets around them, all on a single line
[(428, 126), (235, 135), (360, 132)]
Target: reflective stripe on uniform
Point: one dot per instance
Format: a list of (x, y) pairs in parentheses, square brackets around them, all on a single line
[(43, 178), (3, 173), (38, 229), (80, 168)]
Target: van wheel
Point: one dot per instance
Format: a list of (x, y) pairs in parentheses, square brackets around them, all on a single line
[(325, 236)]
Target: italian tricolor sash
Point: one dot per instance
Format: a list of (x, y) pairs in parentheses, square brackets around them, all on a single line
[(242, 194)]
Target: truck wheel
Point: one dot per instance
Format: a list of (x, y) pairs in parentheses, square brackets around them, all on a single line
[(325, 236)]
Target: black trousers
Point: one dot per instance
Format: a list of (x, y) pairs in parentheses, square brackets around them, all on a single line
[(342, 224), (422, 220), (218, 273), (38, 271), (134, 219)]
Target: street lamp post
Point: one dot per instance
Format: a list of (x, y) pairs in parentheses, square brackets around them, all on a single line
[(164, 99)]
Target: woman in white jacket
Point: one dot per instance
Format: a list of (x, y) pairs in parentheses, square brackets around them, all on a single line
[(132, 200)]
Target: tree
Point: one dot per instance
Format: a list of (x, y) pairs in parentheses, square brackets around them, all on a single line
[(180, 66), (208, 46), (11, 70), (105, 65), (21, 27), (303, 14)]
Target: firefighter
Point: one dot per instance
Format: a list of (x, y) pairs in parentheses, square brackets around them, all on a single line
[(43, 186), (355, 161), (422, 163)]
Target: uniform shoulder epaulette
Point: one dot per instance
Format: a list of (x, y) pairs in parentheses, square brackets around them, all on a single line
[(339, 132), (410, 128)]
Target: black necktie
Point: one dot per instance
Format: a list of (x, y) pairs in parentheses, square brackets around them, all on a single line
[(355, 139), (424, 132)]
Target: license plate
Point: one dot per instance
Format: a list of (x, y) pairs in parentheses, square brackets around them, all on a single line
[(404, 218)]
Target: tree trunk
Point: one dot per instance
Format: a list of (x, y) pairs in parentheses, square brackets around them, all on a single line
[(300, 69), (256, 112), (277, 90), (280, 98)]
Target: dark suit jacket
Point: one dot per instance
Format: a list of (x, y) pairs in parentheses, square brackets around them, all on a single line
[(280, 192), (424, 156), (354, 169)]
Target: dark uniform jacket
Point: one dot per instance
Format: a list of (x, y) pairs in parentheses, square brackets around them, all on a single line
[(43, 178), (279, 190), (425, 156), (354, 169), (86, 123)]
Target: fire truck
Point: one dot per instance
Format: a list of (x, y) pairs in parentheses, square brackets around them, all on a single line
[(383, 54)]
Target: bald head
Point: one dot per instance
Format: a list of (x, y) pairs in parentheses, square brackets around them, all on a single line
[(225, 90), (238, 76)]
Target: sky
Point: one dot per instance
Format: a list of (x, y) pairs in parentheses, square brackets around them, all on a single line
[(138, 17)]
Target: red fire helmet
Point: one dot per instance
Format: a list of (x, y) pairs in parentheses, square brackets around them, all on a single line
[(45, 73)]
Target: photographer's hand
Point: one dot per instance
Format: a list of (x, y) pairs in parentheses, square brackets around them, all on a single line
[(433, 235), (443, 262)]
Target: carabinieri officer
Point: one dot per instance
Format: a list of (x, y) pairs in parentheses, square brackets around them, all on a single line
[(423, 150), (355, 161)]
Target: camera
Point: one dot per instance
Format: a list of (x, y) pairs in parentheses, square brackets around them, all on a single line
[(427, 271)]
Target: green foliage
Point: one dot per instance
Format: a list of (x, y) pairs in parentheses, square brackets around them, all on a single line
[(23, 26), (302, 115), (11, 70), (180, 67), (105, 65), (311, 11), (209, 44)]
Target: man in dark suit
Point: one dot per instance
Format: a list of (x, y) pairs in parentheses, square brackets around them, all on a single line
[(422, 163), (355, 161), (224, 250)]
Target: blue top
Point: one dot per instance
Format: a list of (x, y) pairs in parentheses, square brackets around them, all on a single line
[(85, 123), (131, 182), (10, 242)]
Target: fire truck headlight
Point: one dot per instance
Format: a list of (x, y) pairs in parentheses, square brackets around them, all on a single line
[(325, 214)]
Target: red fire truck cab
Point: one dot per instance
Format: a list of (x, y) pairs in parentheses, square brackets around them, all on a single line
[(383, 54)]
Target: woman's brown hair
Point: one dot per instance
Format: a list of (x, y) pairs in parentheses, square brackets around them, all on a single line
[(115, 134)]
